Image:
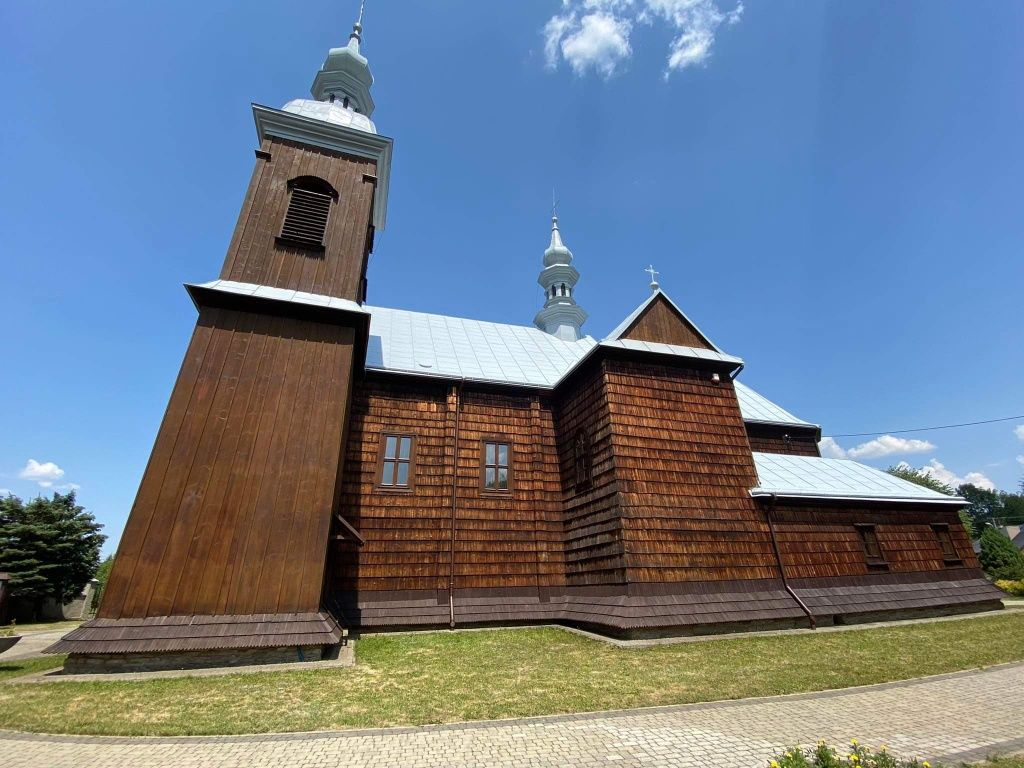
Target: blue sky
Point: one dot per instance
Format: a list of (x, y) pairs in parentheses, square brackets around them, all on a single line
[(831, 190)]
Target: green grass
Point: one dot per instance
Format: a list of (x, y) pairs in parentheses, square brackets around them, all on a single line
[(10, 669), (447, 677), (50, 626)]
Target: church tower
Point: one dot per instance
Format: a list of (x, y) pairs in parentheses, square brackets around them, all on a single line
[(223, 555), (560, 316)]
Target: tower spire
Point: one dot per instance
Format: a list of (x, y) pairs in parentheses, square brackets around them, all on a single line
[(560, 316), (357, 28)]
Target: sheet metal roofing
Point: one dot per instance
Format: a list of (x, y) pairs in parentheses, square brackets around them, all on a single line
[(453, 347), (811, 477), (757, 407), (280, 294)]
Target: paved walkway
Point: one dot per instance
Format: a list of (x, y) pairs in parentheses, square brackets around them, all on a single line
[(32, 645), (962, 716)]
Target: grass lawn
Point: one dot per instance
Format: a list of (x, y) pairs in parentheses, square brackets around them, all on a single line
[(446, 677), (50, 626)]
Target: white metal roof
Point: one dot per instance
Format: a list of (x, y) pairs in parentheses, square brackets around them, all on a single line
[(453, 347), (811, 477), (670, 349), (280, 294), (757, 407)]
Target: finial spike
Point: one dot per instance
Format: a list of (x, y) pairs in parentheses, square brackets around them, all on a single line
[(357, 28)]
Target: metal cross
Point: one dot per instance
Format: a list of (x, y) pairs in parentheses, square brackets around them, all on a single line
[(653, 273)]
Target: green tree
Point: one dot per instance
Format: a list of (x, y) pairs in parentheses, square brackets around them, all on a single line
[(916, 476), (51, 547), (999, 557), (986, 509), (102, 574)]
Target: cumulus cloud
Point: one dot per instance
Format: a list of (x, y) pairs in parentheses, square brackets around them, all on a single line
[(830, 449), (6, 492), (45, 473), (940, 472), (886, 445), (1020, 460), (597, 41), (1019, 431), (594, 35)]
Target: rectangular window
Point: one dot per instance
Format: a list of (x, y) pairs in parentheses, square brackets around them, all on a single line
[(497, 466), (396, 462), (949, 554), (872, 549)]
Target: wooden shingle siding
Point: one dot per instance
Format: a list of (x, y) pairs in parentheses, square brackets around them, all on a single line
[(593, 524), (683, 468), (821, 541), (233, 511), (770, 438), (255, 256)]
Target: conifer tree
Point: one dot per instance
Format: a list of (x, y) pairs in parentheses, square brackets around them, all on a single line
[(50, 547), (999, 557)]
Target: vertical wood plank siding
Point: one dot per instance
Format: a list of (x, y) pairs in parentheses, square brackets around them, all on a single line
[(661, 323), (255, 256), (233, 511)]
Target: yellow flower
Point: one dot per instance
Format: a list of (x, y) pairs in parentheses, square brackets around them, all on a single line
[(853, 742), (774, 764), (851, 757), (926, 764), (882, 748)]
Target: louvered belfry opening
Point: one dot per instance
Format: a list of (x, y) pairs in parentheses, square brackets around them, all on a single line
[(309, 208)]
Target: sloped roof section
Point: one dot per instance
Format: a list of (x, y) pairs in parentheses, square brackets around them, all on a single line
[(810, 477), (757, 407), (454, 347)]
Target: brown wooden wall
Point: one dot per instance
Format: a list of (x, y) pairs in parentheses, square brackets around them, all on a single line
[(769, 438), (684, 469), (501, 540), (661, 323), (233, 511), (255, 257), (593, 526), (820, 541)]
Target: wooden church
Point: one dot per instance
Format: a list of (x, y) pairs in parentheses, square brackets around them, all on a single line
[(326, 466)]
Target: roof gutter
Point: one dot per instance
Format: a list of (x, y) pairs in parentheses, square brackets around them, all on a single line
[(759, 494)]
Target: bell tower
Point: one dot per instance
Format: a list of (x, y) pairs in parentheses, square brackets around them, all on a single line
[(223, 555)]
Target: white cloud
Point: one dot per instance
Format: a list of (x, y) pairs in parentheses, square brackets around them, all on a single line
[(6, 492), (1020, 460), (45, 473), (830, 449), (595, 34), (1019, 431), (887, 445), (938, 470), (597, 41), (65, 487)]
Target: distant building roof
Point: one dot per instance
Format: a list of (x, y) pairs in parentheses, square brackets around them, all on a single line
[(811, 477)]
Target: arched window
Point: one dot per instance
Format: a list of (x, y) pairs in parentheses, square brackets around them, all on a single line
[(309, 208), (583, 462)]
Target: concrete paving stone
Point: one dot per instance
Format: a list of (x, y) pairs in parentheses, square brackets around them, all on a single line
[(951, 717)]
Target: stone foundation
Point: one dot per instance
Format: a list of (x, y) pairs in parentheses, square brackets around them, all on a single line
[(106, 663)]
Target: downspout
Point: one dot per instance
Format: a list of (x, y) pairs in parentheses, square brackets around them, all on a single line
[(782, 569), (457, 389)]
